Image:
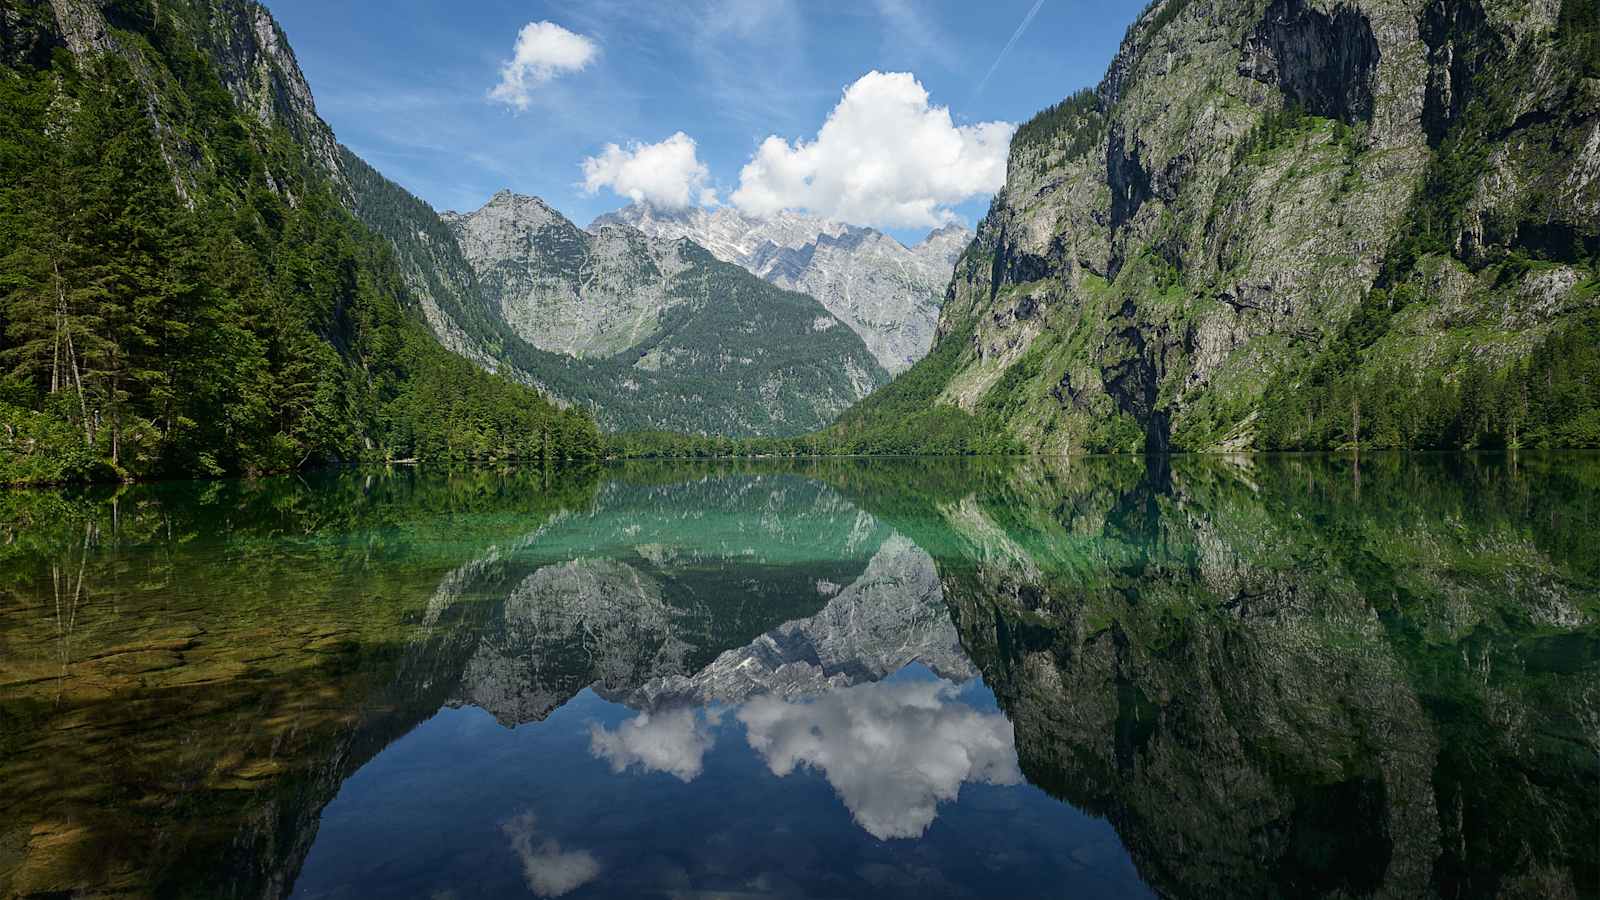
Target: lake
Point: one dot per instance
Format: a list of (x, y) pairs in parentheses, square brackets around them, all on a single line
[(1105, 677)]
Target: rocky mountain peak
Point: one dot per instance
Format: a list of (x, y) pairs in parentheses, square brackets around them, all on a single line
[(885, 292), (523, 210), (943, 232), (635, 316)]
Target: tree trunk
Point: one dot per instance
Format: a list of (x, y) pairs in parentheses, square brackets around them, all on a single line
[(61, 326), (83, 403), (1355, 422)]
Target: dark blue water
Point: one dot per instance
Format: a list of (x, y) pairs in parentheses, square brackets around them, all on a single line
[(897, 788)]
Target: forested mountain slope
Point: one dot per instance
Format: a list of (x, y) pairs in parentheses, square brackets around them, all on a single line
[(182, 290), (1286, 224), (643, 333)]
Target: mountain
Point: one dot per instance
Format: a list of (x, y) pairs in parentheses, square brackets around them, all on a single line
[(650, 334), (184, 289), (886, 292), (425, 251), (1287, 225)]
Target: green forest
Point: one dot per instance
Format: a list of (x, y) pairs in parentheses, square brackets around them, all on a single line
[(185, 291), (210, 309)]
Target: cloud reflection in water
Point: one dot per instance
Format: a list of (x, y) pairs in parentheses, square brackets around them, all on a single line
[(549, 870), (891, 750), (674, 741)]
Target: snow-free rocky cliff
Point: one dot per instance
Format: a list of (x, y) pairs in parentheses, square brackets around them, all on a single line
[(885, 291), (1160, 259)]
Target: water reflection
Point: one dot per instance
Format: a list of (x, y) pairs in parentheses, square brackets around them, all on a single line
[(674, 741), (1244, 677), (891, 751), (1288, 677), (549, 870)]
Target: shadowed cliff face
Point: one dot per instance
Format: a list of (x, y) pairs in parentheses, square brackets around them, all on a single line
[(1326, 61), (1461, 44), (1298, 678)]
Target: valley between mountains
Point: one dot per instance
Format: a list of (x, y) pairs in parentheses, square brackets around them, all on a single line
[(1274, 224)]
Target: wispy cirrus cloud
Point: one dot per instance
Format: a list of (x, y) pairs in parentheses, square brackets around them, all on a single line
[(1015, 36), (748, 60), (913, 34)]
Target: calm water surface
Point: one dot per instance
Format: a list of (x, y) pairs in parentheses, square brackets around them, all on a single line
[(1195, 677)]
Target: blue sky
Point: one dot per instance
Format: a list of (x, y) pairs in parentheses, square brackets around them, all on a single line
[(407, 84)]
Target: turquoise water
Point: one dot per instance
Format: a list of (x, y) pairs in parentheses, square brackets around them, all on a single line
[(1192, 677)]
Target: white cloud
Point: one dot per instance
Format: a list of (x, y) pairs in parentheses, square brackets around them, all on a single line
[(884, 157), (544, 50), (668, 175), (893, 751), (548, 870), (674, 741)]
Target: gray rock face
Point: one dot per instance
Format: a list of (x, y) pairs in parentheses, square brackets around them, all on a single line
[(656, 333), (252, 59), (1170, 253), (259, 69), (562, 289), (886, 292)]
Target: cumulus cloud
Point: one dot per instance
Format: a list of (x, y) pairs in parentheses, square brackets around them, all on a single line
[(884, 157), (549, 870), (668, 175), (892, 751), (544, 50), (674, 741)]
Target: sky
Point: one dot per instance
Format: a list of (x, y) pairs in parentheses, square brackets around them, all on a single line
[(888, 113)]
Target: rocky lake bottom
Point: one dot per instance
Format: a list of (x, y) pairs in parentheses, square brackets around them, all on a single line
[(1195, 676)]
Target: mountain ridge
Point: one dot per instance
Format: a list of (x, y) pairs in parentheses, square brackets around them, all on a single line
[(885, 291), (655, 334)]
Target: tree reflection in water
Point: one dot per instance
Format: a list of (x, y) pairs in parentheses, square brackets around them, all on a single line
[(1272, 676)]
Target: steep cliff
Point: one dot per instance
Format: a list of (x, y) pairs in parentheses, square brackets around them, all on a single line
[(1293, 224)]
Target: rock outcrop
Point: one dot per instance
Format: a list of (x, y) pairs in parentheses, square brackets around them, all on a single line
[(1175, 254), (656, 333), (887, 293)]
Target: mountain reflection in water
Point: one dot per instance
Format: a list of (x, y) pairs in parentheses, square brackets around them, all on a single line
[(1196, 677)]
